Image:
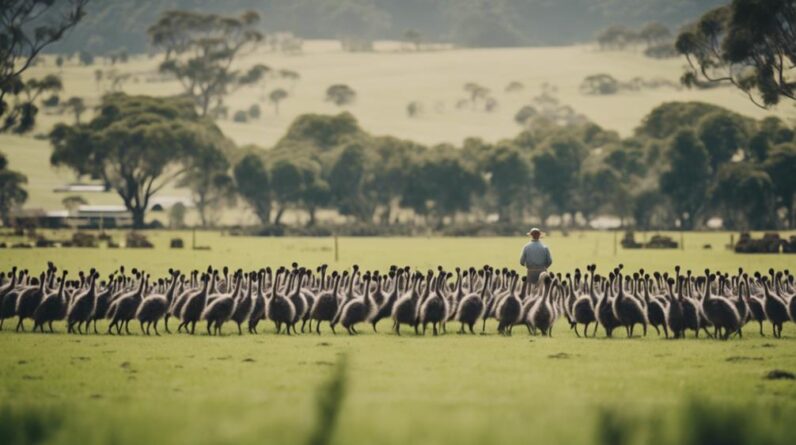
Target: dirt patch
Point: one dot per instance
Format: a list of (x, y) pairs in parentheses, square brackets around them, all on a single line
[(323, 343), (249, 360), (22, 362), (32, 377), (95, 396), (743, 358), (768, 345), (779, 374), (561, 355), (126, 366), (82, 359), (324, 363)]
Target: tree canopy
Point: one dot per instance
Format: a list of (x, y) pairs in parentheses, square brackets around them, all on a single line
[(748, 43), (136, 145), (199, 50), (27, 27)]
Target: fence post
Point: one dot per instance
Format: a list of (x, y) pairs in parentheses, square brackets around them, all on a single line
[(336, 251)]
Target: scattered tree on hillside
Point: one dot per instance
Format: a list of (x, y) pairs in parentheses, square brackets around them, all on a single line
[(254, 111), (291, 76), (413, 37), (414, 108), (200, 50), (254, 186), (601, 84), (85, 58), (616, 37), (276, 96), (76, 106), (116, 80), (136, 144), (525, 114), (12, 192), (514, 86), (654, 33), (748, 43), (240, 116), (340, 94), (98, 75), (477, 92)]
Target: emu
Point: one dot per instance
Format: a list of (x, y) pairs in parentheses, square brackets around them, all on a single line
[(52, 308), (357, 310), (155, 306)]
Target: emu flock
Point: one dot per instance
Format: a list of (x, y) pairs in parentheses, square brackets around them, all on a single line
[(293, 298)]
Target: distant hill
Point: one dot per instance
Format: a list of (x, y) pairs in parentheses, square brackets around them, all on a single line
[(121, 24)]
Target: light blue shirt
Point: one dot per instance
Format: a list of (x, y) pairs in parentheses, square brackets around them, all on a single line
[(536, 255)]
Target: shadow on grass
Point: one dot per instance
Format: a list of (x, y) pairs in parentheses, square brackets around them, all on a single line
[(328, 404), (698, 423), (28, 425)]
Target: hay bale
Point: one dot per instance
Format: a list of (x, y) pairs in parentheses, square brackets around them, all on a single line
[(136, 240), (177, 243)]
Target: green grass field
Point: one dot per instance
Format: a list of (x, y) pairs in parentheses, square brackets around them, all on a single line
[(446, 390)]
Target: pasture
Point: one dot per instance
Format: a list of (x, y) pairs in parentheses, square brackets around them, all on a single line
[(452, 389)]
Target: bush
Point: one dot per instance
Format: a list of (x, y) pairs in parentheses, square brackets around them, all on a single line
[(254, 111), (240, 117), (177, 243), (82, 239), (661, 51), (599, 84)]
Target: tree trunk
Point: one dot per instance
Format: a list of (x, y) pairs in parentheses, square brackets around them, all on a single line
[(138, 217), (311, 211), (279, 213)]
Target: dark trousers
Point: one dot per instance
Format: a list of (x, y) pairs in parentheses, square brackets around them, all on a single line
[(533, 275)]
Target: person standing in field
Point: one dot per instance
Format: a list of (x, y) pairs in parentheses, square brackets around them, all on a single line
[(535, 256)]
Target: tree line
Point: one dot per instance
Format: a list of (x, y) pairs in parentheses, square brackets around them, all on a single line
[(686, 163)]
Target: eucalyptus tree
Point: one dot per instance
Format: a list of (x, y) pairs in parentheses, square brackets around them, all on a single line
[(747, 43), (27, 27), (200, 51), (137, 145)]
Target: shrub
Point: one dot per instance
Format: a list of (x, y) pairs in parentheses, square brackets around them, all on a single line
[(240, 117), (254, 111)]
